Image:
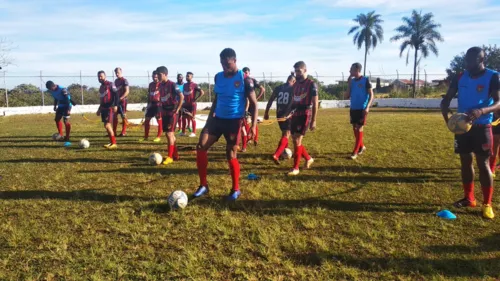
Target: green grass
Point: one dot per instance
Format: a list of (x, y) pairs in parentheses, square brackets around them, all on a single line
[(71, 214)]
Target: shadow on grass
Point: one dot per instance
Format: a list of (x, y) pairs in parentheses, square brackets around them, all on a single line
[(76, 160), (77, 195), (145, 169)]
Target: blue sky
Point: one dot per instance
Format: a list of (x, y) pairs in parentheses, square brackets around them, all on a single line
[(64, 37)]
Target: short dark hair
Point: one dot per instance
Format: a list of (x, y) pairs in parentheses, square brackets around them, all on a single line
[(358, 66), (474, 51), (189, 73), (101, 72), (118, 68), (299, 64), (49, 84), (155, 73), (245, 69), (228, 53), (162, 69), (290, 77), (179, 74)]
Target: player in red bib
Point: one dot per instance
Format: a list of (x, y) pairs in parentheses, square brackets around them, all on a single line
[(189, 107), (283, 96), (108, 107), (121, 84), (171, 99), (305, 108), (153, 109), (250, 109)]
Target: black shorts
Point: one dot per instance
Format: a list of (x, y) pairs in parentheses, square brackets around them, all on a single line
[(358, 117), (478, 140), (496, 130), (64, 111), (191, 108), (122, 107), (153, 111), (229, 128), (169, 119), (300, 123), (107, 115), (285, 125)]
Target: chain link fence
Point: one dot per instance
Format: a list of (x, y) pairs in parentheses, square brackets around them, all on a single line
[(29, 90)]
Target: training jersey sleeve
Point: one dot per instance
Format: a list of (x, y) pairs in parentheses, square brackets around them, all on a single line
[(249, 86), (313, 90), (255, 83), (368, 84), (114, 94)]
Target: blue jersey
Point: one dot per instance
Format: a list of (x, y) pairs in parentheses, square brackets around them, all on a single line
[(231, 99), (474, 93), (359, 93), (62, 96), (181, 88)]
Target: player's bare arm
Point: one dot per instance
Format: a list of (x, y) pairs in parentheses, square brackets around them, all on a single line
[(269, 104), (55, 104), (125, 95), (314, 112), (347, 94), (262, 92), (116, 98), (181, 99), (370, 101), (445, 103), (199, 90)]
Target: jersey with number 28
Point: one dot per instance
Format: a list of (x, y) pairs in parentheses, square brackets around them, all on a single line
[(284, 94)]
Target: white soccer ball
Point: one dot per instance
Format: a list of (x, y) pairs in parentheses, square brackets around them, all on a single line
[(177, 200), (84, 143), (155, 159), (287, 153), (57, 137)]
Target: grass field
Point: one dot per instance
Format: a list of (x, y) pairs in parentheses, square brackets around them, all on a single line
[(72, 214)]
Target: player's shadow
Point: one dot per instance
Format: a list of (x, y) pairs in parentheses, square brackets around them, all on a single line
[(123, 160), (466, 265), (32, 146), (146, 169), (77, 195)]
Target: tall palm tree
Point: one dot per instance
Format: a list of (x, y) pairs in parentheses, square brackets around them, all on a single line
[(368, 31), (419, 32)]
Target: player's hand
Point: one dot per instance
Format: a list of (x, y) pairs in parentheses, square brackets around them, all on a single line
[(366, 110), (266, 116), (474, 114), (312, 127), (115, 109), (98, 113), (253, 131), (55, 108)]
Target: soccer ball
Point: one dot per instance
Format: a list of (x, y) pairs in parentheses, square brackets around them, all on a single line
[(177, 200), (287, 153), (155, 159), (57, 137), (459, 124), (84, 143)]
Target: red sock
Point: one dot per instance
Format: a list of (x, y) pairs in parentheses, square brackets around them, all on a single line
[(493, 163), (360, 140), (124, 127), (469, 191), (184, 121), (176, 153), (281, 147), (247, 128), (245, 140), (112, 139), (297, 155), (160, 127), (357, 142), (256, 137), (234, 168), (193, 122), (487, 194), (68, 130), (171, 151), (59, 126), (115, 124), (202, 164), (305, 154), (147, 125)]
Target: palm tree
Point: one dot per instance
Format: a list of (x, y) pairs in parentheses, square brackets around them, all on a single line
[(368, 31), (418, 32)]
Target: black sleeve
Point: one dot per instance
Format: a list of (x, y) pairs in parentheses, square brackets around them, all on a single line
[(314, 90), (494, 84), (249, 85), (114, 94), (72, 101), (256, 83), (368, 84), (454, 82)]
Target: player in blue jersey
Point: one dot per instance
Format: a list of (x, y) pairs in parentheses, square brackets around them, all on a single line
[(231, 90), (180, 84), (62, 107), (360, 92), (478, 96)]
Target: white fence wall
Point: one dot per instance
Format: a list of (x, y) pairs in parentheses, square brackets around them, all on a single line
[(401, 103)]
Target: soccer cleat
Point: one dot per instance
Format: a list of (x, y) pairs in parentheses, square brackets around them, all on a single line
[(168, 160), (182, 134), (233, 195), (107, 145), (462, 203), (157, 139), (190, 130), (276, 160), (67, 144), (143, 139), (294, 172), (488, 212), (192, 135), (255, 143), (202, 190), (112, 146), (354, 156), (243, 150), (178, 131), (309, 163), (362, 150), (122, 135)]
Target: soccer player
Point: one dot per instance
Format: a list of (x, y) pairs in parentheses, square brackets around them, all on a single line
[(171, 98), (189, 106), (495, 129), (360, 93), (478, 96), (283, 96), (232, 90), (250, 109), (305, 108), (62, 106), (180, 84), (122, 85), (153, 109), (109, 106)]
